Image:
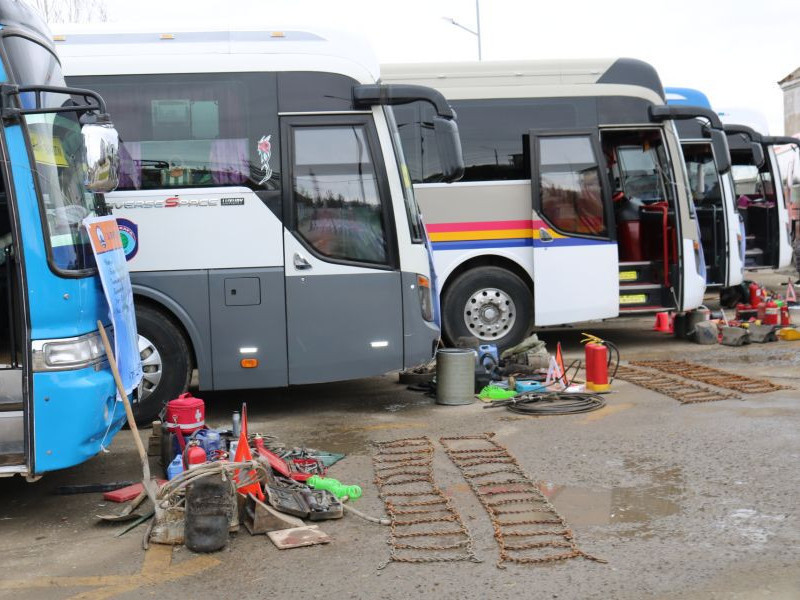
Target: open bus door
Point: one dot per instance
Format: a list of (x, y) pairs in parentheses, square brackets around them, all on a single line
[(13, 452), (760, 197), (575, 258)]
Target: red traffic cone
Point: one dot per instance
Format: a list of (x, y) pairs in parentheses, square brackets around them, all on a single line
[(663, 323)]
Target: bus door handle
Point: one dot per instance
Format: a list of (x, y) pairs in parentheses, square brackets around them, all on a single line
[(544, 235), (300, 263)]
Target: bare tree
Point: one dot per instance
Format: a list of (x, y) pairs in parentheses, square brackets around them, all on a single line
[(71, 11)]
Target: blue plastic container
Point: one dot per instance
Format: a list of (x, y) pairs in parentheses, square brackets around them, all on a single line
[(209, 440), (530, 386), (175, 468)]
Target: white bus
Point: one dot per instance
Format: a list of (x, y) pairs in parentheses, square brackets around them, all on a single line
[(759, 189), (712, 188), (575, 204), (271, 227)]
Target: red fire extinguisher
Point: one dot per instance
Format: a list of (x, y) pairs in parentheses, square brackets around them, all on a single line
[(755, 294), (597, 361), (193, 455)]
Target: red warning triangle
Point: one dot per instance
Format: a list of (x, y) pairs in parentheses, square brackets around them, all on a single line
[(243, 453), (790, 294), (560, 362)]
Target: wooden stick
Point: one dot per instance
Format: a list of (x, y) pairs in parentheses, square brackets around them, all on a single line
[(149, 484)]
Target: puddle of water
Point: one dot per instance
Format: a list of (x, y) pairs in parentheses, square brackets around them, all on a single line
[(333, 439), (639, 506), (768, 412)]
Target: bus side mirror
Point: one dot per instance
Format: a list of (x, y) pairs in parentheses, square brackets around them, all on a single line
[(101, 143), (448, 143), (722, 154), (758, 154)]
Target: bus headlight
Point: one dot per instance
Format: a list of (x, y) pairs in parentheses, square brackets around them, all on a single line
[(67, 353), (425, 297)]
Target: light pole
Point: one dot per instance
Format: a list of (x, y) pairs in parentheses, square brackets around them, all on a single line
[(476, 32)]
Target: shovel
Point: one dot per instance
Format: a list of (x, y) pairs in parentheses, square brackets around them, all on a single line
[(126, 514), (149, 483)]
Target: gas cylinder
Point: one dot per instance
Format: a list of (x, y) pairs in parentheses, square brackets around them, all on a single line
[(771, 313), (596, 367), (193, 455)]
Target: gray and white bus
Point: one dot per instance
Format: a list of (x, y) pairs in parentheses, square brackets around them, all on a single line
[(575, 203), (271, 226)]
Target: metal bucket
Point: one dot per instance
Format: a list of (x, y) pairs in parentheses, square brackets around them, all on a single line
[(794, 314), (455, 376)]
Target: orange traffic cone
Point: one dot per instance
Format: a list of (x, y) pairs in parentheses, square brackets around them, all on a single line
[(243, 453), (663, 323)]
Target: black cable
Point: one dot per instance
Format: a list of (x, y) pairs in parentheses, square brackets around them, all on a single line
[(551, 403), (615, 348)]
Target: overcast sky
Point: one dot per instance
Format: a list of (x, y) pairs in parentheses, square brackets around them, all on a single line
[(733, 50)]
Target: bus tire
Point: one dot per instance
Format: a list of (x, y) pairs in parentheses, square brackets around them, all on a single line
[(166, 362), (489, 303)]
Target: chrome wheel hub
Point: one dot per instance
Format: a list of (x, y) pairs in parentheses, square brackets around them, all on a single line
[(489, 314), (151, 367)]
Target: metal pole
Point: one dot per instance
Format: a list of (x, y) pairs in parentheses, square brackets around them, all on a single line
[(478, 17)]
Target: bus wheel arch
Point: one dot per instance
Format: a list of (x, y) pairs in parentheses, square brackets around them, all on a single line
[(168, 356), (490, 298)]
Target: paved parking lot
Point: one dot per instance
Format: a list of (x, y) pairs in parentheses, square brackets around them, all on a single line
[(683, 501)]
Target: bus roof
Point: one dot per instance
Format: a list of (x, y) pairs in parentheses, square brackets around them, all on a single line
[(745, 116), (520, 79), (114, 50), (681, 96), (18, 15)]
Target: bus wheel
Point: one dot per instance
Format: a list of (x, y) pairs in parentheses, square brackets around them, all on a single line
[(489, 303), (166, 363)]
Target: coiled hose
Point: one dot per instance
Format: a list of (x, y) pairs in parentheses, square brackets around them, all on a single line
[(552, 403)]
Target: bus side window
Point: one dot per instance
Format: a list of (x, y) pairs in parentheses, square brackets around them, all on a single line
[(337, 203), (194, 130), (569, 185)]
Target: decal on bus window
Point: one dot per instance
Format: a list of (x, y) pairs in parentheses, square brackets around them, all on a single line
[(264, 153), (129, 233)]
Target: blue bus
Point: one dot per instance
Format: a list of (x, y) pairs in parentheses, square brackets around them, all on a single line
[(58, 402)]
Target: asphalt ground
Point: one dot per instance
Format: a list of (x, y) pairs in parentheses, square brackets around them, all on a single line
[(682, 501)]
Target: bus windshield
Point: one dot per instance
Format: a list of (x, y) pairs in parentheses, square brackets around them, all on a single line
[(412, 210), (58, 154)]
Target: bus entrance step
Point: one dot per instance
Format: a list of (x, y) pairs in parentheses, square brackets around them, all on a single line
[(645, 310), (640, 294), (12, 453), (645, 271)]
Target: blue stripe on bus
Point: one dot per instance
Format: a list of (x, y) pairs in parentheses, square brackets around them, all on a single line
[(478, 244), (517, 243)]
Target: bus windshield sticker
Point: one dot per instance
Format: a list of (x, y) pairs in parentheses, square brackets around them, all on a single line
[(129, 233), (264, 153)]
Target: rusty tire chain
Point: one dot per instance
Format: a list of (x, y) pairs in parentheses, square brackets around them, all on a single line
[(404, 477), (493, 472), (712, 376), (674, 387)]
